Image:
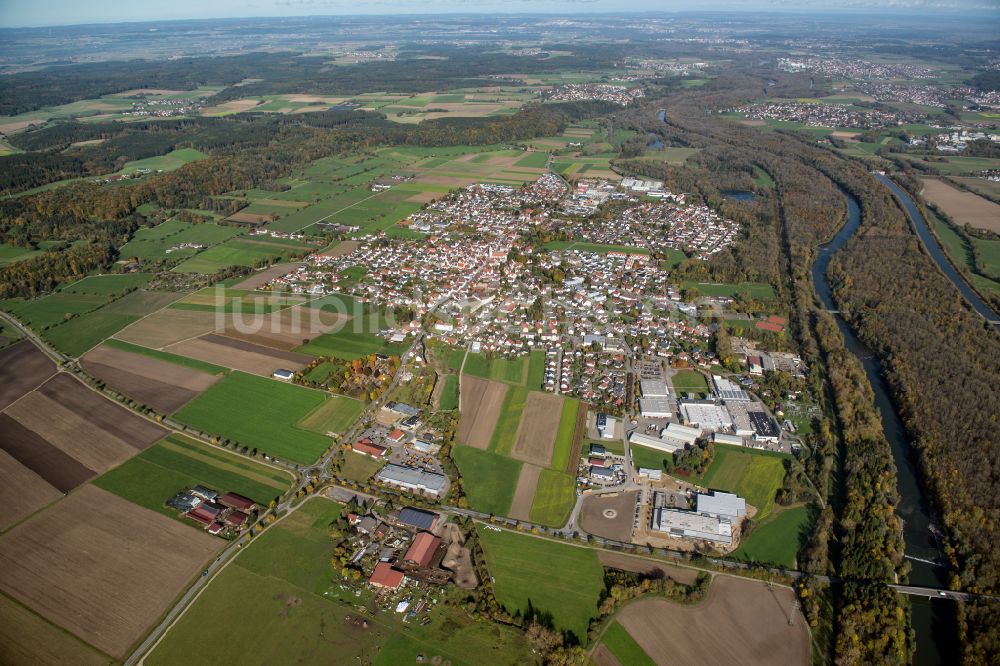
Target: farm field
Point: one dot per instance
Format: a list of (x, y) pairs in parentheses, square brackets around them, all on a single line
[(167, 357), (101, 567), (509, 420), (259, 413), (286, 329), (359, 468), (107, 285), (524, 493), (734, 607), (26, 638), (540, 420), (489, 480), (962, 207), (153, 243), (351, 342), (277, 586), (958, 251), (563, 449), (23, 367), (80, 334), (53, 309), (167, 327), (481, 404), (510, 371), (555, 578), (240, 252), (238, 354), (22, 491), (177, 463), (554, 497), (596, 248), (449, 394)]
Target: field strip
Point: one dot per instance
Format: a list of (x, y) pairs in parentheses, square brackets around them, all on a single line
[(221, 464), (338, 211)]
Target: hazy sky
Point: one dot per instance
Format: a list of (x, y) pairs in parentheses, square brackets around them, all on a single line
[(17, 13)]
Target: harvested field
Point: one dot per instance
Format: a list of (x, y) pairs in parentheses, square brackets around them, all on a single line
[(52, 465), (425, 197), (23, 367), (28, 640), (168, 327), (71, 432), (481, 401), (638, 565), (100, 411), (536, 435), (450, 181), (752, 618), (962, 207), (22, 492), (286, 329), (100, 566), (250, 218), (164, 386), (617, 527), (341, 249), (258, 279), (239, 355), (753, 123), (847, 136), (520, 508), (234, 106)]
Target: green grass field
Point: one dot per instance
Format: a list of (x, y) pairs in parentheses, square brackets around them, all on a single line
[(359, 468), (555, 578), (169, 162), (177, 463), (509, 371), (778, 539), (597, 248), (260, 413), (536, 370), (449, 394), (489, 479), (554, 498), (52, 309), (643, 456), (153, 243), (690, 381), (82, 333), (280, 588), (335, 415), (756, 290), (354, 340), (623, 646), (108, 285), (505, 432), (751, 474), (563, 448)]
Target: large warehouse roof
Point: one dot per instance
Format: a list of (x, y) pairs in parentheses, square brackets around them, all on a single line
[(654, 388)]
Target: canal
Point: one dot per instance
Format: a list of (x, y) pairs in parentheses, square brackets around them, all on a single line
[(933, 620)]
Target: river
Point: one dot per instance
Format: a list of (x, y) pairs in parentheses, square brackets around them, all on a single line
[(933, 620)]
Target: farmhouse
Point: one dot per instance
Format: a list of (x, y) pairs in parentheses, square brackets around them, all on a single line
[(238, 502), (693, 525), (423, 549), (386, 577), (412, 478)]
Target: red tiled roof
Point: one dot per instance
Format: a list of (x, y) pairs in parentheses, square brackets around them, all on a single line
[(199, 517), (234, 501), (368, 449), (236, 518), (422, 550), (385, 576)]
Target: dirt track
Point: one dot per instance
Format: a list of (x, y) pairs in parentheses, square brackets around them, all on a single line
[(741, 622), (619, 528), (101, 567), (162, 385), (481, 402), (536, 434), (22, 368), (527, 481)]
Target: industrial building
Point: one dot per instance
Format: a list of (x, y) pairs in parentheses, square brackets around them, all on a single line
[(606, 425), (764, 427), (412, 478), (654, 388), (723, 438), (728, 391), (667, 446), (658, 407), (706, 415), (683, 434), (722, 505), (692, 525)]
